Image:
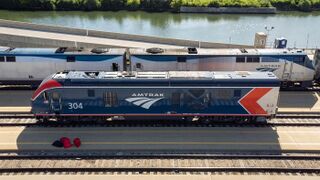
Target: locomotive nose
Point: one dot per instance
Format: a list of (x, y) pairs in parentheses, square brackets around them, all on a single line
[(45, 86)]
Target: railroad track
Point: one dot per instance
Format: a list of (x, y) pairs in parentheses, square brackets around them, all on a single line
[(162, 163), (309, 119)]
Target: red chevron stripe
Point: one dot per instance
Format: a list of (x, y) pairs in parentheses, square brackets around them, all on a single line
[(250, 100), (47, 85)]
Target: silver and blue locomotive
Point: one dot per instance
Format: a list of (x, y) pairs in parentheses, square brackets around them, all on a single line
[(191, 95), (293, 67)]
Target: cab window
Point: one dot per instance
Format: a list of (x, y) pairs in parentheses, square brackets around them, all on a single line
[(71, 59), (55, 96), (11, 59)]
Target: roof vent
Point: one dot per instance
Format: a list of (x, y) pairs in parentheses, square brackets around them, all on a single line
[(92, 74), (192, 50), (61, 49), (155, 50), (243, 50), (99, 50), (10, 49)]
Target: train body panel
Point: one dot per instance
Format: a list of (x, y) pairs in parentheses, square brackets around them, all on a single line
[(34, 64), (176, 97), (291, 66)]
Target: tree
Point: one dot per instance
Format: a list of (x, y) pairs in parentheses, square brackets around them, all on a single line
[(91, 4), (304, 5)]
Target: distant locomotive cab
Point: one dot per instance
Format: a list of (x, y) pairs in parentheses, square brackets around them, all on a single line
[(185, 95)]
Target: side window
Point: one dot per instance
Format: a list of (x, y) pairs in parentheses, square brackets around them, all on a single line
[(181, 59), (11, 59), (237, 93), (240, 59), (71, 59), (55, 96), (253, 59), (138, 65), (110, 99), (269, 59), (45, 96), (299, 59), (222, 94), (115, 67), (91, 93), (1, 58), (256, 59), (176, 98)]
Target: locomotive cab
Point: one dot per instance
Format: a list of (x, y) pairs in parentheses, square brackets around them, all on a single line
[(317, 65)]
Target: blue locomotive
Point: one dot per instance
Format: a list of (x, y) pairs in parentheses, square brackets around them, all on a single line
[(192, 95)]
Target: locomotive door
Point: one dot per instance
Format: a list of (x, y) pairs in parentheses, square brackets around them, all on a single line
[(55, 103), (287, 70)]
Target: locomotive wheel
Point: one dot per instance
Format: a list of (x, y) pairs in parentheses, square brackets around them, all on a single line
[(43, 119), (205, 120)]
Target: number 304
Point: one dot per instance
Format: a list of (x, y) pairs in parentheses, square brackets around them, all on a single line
[(75, 106)]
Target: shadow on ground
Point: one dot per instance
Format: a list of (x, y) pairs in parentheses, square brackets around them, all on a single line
[(294, 99), (155, 139)]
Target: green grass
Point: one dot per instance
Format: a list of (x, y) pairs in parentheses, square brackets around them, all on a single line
[(154, 5)]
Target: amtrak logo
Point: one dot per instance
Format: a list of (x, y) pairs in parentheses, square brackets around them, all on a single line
[(140, 99)]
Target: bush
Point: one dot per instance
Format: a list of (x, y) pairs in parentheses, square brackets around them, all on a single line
[(304, 5), (175, 4), (155, 5), (112, 4), (48, 4), (68, 4), (29, 4), (91, 4), (132, 4), (9, 4), (315, 3), (284, 4)]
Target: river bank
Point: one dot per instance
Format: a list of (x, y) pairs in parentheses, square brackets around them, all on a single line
[(158, 5)]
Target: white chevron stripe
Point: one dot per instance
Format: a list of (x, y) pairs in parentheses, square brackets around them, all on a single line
[(139, 102), (143, 102), (148, 104)]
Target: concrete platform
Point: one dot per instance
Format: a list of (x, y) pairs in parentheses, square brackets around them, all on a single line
[(186, 139), (24, 36), (160, 177)]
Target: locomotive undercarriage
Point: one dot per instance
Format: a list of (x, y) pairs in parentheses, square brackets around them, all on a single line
[(150, 119), (291, 85)]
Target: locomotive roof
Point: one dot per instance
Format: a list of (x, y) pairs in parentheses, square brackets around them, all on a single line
[(181, 75), (62, 50), (204, 51), (140, 51)]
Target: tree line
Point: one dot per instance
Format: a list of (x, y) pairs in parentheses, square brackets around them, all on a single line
[(153, 5)]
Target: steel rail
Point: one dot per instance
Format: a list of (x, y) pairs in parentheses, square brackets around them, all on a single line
[(193, 168), (31, 122), (162, 169), (96, 156)]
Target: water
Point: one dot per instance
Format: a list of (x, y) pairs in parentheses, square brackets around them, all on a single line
[(240, 29)]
